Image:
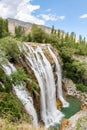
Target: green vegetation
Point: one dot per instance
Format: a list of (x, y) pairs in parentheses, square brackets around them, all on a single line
[(81, 87), (11, 108), (66, 45), (3, 28), (37, 34), (9, 49), (5, 83), (18, 76), (81, 123), (19, 31)]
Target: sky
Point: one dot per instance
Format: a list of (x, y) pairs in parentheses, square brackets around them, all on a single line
[(67, 15)]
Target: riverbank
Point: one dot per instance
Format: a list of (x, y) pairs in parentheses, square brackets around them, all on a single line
[(76, 122), (72, 91), (79, 120)]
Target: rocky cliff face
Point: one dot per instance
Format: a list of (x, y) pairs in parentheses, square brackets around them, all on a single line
[(12, 23)]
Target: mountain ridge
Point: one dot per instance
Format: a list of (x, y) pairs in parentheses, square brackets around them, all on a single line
[(12, 23)]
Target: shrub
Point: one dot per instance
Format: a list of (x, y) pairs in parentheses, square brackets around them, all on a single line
[(73, 69), (9, 48), (5, 80), (11, 108), (81, 87), (37, 34), (18, 76)]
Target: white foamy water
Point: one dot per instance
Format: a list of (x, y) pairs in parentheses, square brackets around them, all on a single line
[(44, 74), (59, 80)]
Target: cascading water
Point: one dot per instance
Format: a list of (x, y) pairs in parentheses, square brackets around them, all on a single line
[(22, 93), (43, 72), (59, 80), (42, 69)]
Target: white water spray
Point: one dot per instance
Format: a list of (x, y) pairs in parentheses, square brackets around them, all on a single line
[(22, 93)]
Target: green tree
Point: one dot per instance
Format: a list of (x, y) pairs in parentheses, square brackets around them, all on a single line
[(67, 38), (59, 33), (9, 49), (72, 37), (80, 39), (19, 31), (3, 27), (38, 35), (52, 30)]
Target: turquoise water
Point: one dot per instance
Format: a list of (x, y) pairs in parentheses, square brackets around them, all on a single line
[(74, 106)]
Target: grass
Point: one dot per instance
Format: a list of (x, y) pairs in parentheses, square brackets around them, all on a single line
[(82, 124), (5, 125)]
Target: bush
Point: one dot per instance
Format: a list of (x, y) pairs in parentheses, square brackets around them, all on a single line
[(73, 69), (11, 108), (5, 80), (81, 87), (37, 34), (8, 46), (18, 76)]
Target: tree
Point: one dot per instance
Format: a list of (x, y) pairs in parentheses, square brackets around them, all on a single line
[(80, 39), (67, 38), (3, 28), (72, 37), (38, 35), (59, 34), (52, 30), (19, 31)]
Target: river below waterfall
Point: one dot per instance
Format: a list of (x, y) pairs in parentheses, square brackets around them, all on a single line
[(74, 106)]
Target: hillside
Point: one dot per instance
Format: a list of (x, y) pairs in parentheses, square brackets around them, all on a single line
[(12, 23)]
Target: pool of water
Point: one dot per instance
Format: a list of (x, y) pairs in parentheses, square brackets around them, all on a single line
[(74, 106)]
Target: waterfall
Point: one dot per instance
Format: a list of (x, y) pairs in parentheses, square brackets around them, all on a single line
[(22, 93), (44, 74), (59, 80), (42, 69)]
